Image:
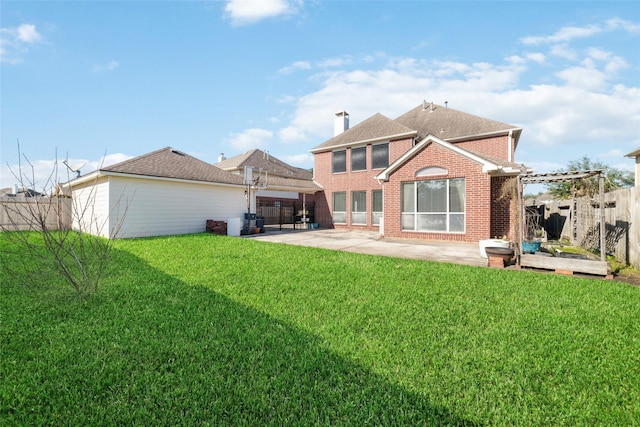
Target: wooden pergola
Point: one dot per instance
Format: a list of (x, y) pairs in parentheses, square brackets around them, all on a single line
[(554, 263)]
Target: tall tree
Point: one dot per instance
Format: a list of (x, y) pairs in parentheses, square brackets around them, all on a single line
[(614, 178)]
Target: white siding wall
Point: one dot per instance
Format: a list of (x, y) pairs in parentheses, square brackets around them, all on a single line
[(90, 207), (148, 207)]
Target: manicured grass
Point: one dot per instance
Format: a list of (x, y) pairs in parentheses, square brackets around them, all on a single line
[(212, 330)]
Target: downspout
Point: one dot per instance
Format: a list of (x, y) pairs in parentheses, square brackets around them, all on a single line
[(510, 146), (381, 226), (519, 226)]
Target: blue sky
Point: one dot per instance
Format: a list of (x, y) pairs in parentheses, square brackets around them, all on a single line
[(98, 82)]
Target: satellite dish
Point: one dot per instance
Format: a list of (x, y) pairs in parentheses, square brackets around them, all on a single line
[(76, 170)]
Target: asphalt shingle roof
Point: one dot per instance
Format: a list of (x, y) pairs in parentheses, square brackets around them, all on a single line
[(170, 163), (258, 159), (376, 127), (445, 123)]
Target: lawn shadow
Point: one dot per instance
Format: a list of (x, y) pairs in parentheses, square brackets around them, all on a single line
[(153, 350)]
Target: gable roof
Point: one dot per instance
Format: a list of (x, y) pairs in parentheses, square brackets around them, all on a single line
[(375, 128), (258, 159), (451, 125), (448, 124), (489, 165), (168, 163)]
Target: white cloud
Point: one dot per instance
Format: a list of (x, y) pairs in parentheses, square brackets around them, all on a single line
[(536, 57), (109, 66), (14, 42), (298, 65), (27, 33), (298, 159), (563, 50), (44, 174), (245, 12), (292, 134), (569, 33), (564, 35), (572, 109), (249, 139), (336, 62)]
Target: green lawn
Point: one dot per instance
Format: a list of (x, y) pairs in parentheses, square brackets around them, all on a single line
[(215, 330)]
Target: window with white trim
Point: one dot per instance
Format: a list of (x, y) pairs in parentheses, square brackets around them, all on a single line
[(339, 161), (436, 205), (376, 207), (340, 208), (359, 159), (380, 156), (358, 207)]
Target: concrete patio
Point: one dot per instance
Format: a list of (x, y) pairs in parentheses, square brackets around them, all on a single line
[(369, 242)]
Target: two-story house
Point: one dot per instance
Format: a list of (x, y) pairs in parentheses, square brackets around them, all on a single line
[(433, 173)]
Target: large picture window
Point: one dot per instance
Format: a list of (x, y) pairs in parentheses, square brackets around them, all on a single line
[(358, 207), (376, 207), (339, 161), (434, 205), (340, 208), (359, 159), (379, 156)]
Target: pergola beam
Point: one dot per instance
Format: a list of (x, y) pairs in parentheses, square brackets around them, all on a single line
[(540, 178), (564, 177)]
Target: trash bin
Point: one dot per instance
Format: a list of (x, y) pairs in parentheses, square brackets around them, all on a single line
[(249, 221), (260, 222)]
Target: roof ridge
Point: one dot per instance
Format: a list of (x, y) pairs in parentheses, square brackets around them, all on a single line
[(137, 158)]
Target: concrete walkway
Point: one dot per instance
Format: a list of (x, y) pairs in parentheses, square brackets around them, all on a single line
[(369, 242)]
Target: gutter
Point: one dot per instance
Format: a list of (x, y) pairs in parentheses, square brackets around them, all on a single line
[(93, 176), (362, 142)]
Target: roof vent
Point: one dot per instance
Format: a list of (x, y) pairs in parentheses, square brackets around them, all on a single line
[(221, 158), (179, 153)]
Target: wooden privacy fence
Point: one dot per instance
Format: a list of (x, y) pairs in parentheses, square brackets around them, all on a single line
[(26, 213), (578, 222)]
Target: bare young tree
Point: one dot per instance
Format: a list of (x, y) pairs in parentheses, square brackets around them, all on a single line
[(48, 239)]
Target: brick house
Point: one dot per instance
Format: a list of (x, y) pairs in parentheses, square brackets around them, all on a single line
[(433, 173)]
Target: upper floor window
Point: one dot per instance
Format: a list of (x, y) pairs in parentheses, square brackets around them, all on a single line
[(359, 159), (380, 156), (339, 161)]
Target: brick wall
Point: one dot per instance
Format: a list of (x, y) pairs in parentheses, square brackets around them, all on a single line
[(478, 194), (350, 181), (503, 207), (485, 217), (496, 147)]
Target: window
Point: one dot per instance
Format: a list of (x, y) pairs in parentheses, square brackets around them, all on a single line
[(339, 161), (358, 207), (434, 205), (376, 205), (340, 208), (359, 159), (380, 156)]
